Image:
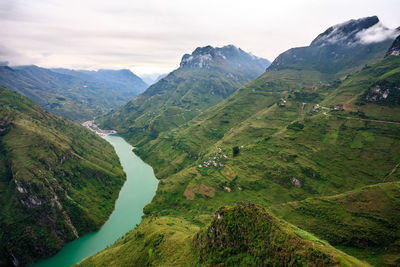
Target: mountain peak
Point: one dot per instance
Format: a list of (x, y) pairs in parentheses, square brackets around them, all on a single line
[(346, 32), (202, 57), (209, 56)]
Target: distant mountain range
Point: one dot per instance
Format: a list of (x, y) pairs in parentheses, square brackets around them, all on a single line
[(76, 95), (151, 79), (204, 78)]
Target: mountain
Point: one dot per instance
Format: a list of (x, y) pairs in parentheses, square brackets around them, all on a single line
[(341, 48), (77, 95), (58, 181), (204, 78), (313, 126), (243, 235), (151, 79), (123, 80)]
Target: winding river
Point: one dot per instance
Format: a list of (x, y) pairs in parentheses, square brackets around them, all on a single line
[(137, 191)]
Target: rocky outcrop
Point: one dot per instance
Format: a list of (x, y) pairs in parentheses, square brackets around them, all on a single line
[(208, 57), (384, 93), (394, 50)]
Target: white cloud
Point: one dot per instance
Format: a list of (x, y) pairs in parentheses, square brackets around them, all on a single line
[(376, 33)]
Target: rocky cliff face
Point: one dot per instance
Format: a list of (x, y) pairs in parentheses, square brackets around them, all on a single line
[(208, 57), (394, 50)]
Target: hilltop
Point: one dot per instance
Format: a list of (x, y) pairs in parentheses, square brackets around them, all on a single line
[(245, 234)]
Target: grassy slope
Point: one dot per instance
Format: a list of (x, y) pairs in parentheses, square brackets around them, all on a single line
[(242, 235), (55, 176), (363, 221)]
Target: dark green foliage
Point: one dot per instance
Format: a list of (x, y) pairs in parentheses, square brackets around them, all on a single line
[(296, 126), (235, 151), (157, 241)]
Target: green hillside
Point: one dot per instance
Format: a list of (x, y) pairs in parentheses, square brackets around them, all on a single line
[(58, 180), (205, 78), (363, 221), (244, 235), (286, 153)]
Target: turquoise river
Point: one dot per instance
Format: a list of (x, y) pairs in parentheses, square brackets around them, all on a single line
[(138, 190)]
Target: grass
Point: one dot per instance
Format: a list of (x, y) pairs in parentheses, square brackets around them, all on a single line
[(162, 241), (362, 222)]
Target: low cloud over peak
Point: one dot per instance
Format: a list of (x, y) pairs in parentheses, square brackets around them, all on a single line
[(376, 33)]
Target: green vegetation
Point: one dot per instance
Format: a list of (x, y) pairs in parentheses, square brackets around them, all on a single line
[(363, 219), (245, 235), (151, 244), (57, 180)]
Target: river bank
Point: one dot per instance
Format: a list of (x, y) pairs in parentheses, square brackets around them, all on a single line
[(94, 128), (138, 190)]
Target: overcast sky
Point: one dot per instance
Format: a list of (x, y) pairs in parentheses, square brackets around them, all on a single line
[(150, 36)]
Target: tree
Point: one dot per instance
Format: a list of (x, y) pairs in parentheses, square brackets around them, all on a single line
[(235, 150)]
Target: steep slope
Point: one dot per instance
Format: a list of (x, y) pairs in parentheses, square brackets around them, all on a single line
[(364, 221), (244, 235), (57, 181), (76, 95), (204, 78), (394, 50)]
